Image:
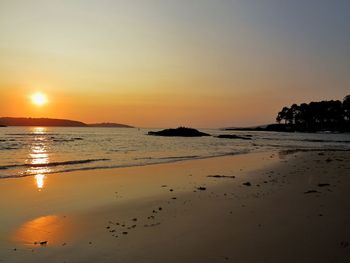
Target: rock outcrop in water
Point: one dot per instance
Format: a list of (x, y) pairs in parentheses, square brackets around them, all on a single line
[(179, 132)]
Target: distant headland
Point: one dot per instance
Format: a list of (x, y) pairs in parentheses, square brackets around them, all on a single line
[(48, 122)]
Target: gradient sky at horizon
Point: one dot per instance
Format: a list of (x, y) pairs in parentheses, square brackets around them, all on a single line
[(168, 63)]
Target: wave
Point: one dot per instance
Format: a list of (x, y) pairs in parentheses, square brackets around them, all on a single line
[(312, 140), (102, 167), (67, 140), (168, 157), (9, 148), (32, 134), (41, 165), (305, 140)]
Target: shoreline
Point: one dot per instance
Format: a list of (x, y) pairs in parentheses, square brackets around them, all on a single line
[(175, 160), (214, 216)]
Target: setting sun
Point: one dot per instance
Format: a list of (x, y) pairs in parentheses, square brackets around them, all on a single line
[(39, 99)]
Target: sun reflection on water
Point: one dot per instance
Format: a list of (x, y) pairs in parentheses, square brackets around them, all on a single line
[(38, 157)]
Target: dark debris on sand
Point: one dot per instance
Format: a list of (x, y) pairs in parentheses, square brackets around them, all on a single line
[(322, 185), (222, 176)]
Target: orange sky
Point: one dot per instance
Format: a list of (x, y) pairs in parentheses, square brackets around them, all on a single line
[(164, 64)]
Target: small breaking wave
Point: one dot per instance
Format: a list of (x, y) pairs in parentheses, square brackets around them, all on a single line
[(41, 165), (32, 134), (168, 157), (305, 140), (162, 160)]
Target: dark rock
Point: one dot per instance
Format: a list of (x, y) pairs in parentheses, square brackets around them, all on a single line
[(247, 184), (202, 188), (180, 132), (43, 243)]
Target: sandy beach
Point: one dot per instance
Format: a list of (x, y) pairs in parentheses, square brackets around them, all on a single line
[(174, 131), (262, 207)]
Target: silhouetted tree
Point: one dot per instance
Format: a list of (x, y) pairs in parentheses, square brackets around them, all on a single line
[(316, 116), (282, 115), (346, 108)]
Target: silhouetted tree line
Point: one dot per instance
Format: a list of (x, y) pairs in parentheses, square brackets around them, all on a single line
[(333, 115)]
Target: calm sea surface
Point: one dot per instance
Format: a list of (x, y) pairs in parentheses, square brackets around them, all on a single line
[(26, 151)]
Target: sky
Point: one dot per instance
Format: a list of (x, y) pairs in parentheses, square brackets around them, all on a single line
[(153, 63)]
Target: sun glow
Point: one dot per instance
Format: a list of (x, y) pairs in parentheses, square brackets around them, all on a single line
[(39, 99)]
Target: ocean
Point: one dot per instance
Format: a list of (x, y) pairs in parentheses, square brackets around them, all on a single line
[(37, 151)]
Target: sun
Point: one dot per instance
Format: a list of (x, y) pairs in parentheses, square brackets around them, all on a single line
[(39, 99)]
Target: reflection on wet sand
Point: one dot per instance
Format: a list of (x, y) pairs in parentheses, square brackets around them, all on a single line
[(39, 155), (46, 230), (39, 178)]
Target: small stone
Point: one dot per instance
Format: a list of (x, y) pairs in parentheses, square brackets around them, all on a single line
[(322, 185), (311, 192)]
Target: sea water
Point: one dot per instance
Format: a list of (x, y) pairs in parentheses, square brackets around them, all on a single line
[(36, 151)]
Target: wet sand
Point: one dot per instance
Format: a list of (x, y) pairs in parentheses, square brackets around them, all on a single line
[(266, 207)]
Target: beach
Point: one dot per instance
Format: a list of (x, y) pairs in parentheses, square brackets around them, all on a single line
[(174, 131), (276, 206)]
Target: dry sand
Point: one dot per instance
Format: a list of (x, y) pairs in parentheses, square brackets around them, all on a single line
[(279, 207)]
